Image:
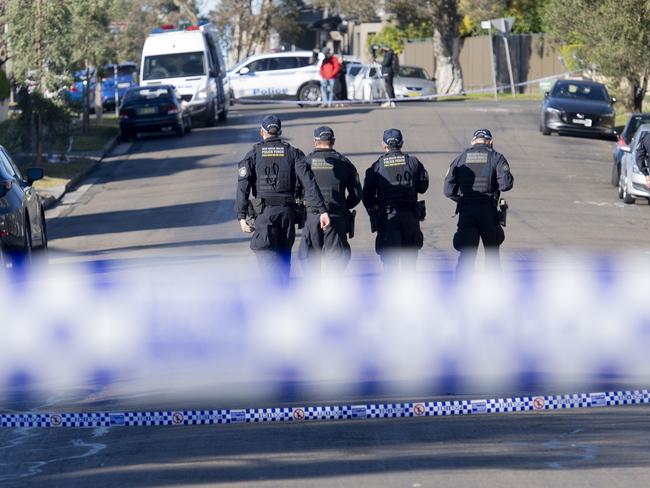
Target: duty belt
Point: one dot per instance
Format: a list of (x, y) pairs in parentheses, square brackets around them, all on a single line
[(399, 207), (278, 201), (330, 208)]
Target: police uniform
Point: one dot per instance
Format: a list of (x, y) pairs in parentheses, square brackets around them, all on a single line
[(335, 176), (474, 180), (390, 192), (642, 154), (271, 171)]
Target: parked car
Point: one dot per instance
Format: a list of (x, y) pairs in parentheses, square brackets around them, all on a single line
[(283, 75), (82, 79), (413, 81), (152, 109), (126, 77), (576, 106), (22, 219), (623, 142), (631, 184)]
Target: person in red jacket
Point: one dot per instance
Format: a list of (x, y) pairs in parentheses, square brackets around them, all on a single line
[(329, 70)]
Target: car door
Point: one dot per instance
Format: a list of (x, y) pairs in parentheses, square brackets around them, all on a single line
[(284, 76), (249, 79), (31, 201), (11, 205)]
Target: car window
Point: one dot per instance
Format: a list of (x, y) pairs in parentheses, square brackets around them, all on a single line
[(634, 124), (285, 62), (304, 61), (177, 65), (258, 65), (6, 173), (142, 94), (9, 167), (410, 72), (354, 70), (580, 91)]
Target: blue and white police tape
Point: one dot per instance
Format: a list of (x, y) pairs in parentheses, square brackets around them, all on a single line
[(328, 412), (384, 99)]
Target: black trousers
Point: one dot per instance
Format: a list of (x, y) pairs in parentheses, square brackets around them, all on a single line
[(273, 238), (398, 240), (390, 90), (476, 222), (331, 244)]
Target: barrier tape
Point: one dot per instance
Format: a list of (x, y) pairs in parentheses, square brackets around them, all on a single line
[(330, 412), (245, 101)]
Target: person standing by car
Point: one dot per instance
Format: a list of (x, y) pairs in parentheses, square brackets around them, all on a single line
[(341, 86), (389, 69), (474, 181), (271, 171), (329, 70), (390, 195), (642, 154), (335, 176)]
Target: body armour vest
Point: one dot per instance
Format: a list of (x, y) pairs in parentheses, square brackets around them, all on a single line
[(275, 173), (397, 178), (476, 173), (329, 172)]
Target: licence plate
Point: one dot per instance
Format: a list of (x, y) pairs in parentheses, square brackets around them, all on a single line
[(123, 85), (414, 94), (585, 122), (147, 110)]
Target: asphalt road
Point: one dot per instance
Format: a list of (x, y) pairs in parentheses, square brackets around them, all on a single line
[(165, 199)]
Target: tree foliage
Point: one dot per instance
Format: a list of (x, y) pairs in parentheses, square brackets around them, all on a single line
[(527, 15), (612, 35)]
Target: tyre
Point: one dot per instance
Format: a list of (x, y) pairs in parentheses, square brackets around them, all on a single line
[(627, 198), (620, 189), (125, 136), (309, 93), (616, 174), (544, 130), (210, 120)]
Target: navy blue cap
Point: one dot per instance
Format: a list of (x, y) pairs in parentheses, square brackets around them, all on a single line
[(393, 137), (272, 124), (324, 133), (482, 134)]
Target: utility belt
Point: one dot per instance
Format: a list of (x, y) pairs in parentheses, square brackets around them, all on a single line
[(349, 215), (377, 214), (257, 205), (489, 200)]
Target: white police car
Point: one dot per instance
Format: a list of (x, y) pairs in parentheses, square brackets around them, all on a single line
[(290, 75)]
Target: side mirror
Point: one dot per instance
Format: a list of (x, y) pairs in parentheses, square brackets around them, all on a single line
[(244, 71), (34, 174), (612, 100), (547, 94)]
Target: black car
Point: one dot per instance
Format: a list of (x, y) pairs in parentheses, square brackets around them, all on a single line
[(575, 106), (624, 140), (22, 218), (152, 109)]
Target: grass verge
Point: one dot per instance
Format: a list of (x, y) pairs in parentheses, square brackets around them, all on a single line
[(100, 134), (58, 174)]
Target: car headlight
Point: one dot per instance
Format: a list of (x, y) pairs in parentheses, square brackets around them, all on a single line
[(202, 94), (552, 110)]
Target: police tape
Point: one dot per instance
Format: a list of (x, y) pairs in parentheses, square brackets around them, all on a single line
[(329, 412), (374, 101)]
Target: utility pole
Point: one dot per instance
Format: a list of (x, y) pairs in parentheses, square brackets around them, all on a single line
[(487, 24)]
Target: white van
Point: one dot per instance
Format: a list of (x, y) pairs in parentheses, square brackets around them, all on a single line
[(191, 61)]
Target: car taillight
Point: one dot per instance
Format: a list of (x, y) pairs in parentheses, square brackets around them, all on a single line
[(124, 114), (73, 88), (621, 142), (170, 109)]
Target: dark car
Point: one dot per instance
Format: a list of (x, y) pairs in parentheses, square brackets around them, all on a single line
[(152, 109), (575, 106), (22, 219), (125, 75), (623, 142)]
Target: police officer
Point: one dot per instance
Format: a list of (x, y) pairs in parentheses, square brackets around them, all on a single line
[(642, 154), (474, 180), (335, 176), (270, 171), (390, 191)]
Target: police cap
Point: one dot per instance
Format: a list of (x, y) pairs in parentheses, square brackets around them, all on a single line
[(482, 134), (324, 133), (393, 138), (272, 124)]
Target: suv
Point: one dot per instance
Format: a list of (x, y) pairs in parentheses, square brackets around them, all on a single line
[(284, 75), (631, 184)]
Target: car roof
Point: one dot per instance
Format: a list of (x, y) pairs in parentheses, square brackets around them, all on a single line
[(281, 54), (580, 82)]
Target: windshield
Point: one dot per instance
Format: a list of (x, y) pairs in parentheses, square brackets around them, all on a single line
[(179, 65), (580, 91), (144, 94), (409, 72), (354, 70), (635, 122)]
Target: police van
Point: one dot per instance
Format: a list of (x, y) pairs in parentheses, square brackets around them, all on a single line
[(189, 59), (292, 75)]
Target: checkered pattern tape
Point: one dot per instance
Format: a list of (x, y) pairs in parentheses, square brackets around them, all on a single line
[(329, 412)]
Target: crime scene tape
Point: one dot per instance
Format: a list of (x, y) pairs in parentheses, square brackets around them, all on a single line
[(406, 99), (327, 412)]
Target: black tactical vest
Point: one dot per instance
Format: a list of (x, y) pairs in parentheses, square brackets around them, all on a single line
[(275, 173), (397, 179), (329, 172), (476, 173)]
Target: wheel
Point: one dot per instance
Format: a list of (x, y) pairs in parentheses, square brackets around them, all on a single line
[(223, 115), (309, 93), (544, 131), (627, 198), (620, 189), (125, 136), (616, 174), (210, 121)]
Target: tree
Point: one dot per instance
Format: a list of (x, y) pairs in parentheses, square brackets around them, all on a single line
[(612, 35), (445, 18)]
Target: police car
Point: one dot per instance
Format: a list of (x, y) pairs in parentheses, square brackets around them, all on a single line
[(290, 75)]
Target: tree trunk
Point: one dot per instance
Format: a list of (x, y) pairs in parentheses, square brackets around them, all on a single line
[(85, 124), (99, 103), (449, 75), (636, 93), (39, 137)]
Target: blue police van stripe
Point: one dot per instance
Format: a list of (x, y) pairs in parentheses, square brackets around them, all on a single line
[(328, 412)]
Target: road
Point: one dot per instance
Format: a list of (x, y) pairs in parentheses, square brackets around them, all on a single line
[(165, 199)]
